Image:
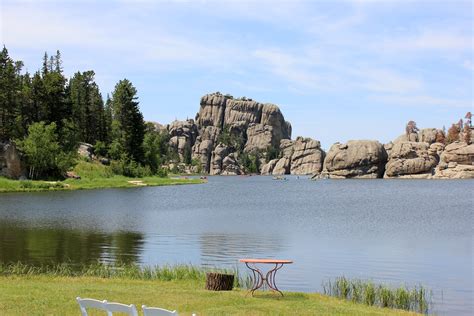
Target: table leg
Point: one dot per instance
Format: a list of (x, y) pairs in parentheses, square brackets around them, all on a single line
[(270, 278), (257, 280)]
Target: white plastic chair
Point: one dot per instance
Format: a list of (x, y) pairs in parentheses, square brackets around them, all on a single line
[(155, 311), (120, 308), (85, 303)]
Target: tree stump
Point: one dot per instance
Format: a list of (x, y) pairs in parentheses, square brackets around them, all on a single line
[(219, 281)]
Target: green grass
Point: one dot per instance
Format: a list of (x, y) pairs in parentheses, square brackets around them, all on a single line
[(93, 176), (51, 290), (416, 299), (51, 295)]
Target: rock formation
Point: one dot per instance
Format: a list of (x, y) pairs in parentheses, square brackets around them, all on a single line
[(183, 135), (355, 159), (226, 127), (227, 133), (456, 162), (10, 162), (302, 156), (85, 150), (411, 160)]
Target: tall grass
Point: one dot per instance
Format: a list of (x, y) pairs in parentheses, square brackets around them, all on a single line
[(417, 299), (121, 271)]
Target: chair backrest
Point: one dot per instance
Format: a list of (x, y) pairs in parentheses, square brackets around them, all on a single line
[(155, 311), (121, 308), (85, 303)]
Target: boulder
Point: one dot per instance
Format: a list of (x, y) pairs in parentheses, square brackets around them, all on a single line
[(217, 157), (355, 159), (307, 157), (183, 135), (412, 137), (85, 150), (454, 171), (411, 159), (230, 165), (428, 135), (202, 151), (456, 162), (160, 128), (267, 169), (10, 162), (459, 152), (282, 166), (271, 115), (286, 147)]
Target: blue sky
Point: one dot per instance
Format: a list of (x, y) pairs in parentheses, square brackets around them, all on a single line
[(339, 70)]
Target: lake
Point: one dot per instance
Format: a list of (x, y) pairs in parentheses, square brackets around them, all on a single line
[(392, 231)]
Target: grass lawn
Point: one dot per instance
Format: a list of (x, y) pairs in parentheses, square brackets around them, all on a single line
[(93, 176), (49, 295)]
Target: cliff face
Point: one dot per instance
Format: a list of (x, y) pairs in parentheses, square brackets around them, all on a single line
[(227, 127)]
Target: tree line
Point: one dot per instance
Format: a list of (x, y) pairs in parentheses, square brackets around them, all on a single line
[(47, 115)]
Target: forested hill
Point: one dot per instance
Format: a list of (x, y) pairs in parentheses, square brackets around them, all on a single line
[(47, 115)]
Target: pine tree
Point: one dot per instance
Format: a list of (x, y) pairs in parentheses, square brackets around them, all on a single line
[(9, 94), (467, 134), (453, 133), (128, 120), (87, 106), (440, 138)]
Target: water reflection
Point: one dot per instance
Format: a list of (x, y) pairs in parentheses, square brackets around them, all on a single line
[(48, 246)]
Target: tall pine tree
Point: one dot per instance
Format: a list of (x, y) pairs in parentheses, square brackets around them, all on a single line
[(9, 94), (128, 123)]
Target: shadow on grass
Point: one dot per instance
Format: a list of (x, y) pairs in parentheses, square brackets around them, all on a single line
[(268, 295)]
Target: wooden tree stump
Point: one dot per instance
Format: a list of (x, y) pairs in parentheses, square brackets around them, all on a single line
[(219, 281)]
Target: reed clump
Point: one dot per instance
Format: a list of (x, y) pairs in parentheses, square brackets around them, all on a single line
[(416, 299)]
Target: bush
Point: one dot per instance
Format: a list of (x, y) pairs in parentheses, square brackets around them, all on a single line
[(130, 168), (101, 148), (44, 155)]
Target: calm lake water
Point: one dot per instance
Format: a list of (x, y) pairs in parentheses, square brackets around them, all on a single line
[(392, 231)]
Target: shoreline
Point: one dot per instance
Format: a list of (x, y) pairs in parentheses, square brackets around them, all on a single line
[(19, 186)]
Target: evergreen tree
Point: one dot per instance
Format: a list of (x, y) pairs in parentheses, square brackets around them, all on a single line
[(54, 98), (129, 126), (87, 106), (467, 134), (453, 133), (9, 94)]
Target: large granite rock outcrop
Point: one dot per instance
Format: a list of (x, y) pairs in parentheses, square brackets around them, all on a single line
[(355, 159), (412, 160), (425, 135), (10, 162), (307, 157), (211, 112), (183, 135), (248, 125), (456, 162), (302, 156)]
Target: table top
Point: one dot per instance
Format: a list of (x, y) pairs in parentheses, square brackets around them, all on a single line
[(265, 261)]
